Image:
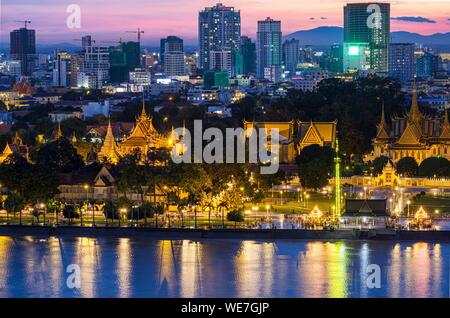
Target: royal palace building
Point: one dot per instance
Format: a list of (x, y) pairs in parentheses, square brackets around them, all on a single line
[(414, 135)]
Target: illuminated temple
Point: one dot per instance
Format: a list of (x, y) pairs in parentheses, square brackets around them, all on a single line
[(414, 135), (143, 138), (297, 135)]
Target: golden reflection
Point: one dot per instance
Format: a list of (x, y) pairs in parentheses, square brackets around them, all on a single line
[(123, 270), (87, 259), (5, 250), (166, 273), (191, 269), (255, 268), (323, 269)]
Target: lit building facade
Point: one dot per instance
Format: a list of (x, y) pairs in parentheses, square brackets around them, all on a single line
[(369, 23), (219, 29), (268, 46)]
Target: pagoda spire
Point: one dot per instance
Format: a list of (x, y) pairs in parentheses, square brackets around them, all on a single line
[(414, 113), (445, 127), (382, 126), (109, 150), (6, 153)]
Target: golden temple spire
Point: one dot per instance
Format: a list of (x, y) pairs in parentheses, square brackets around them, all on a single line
[(109, 150), (17, 140), (445, 127), (382, 126), (414, 113)]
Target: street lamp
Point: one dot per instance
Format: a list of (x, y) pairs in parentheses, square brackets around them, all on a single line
[(307, 197), (281, 197), (409, 203), (298, 195), (42, 205), (267, 210), (86, 187)]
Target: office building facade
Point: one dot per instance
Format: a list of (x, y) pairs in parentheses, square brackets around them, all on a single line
[(402, 61), (219, 30), (268, 46), (369, 23)]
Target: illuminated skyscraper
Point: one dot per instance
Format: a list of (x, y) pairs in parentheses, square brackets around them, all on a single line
[(268, 46), (219, 30), (369, 23), (401, 61)]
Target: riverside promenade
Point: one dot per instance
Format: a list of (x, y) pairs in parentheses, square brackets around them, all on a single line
[(245, 234)]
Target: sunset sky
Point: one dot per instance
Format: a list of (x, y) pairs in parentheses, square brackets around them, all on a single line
[(107, 20)]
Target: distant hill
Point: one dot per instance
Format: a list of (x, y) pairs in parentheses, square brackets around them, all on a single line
[(324, 36)]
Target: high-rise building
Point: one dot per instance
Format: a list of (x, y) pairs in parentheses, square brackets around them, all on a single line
[(95, 72), (62, 70), (401, 61), (369, 23), (123, 59), (219, 30), (427, 65), (170, 44), (11, 68), (172, 56), (221, 61), (23, 49), (291, 52), (336, 59), (248, 52), (268, 46)]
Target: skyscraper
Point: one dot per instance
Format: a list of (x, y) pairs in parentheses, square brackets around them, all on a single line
[(95, 71), (291, 52), (268, 46), (427, 65), (172, 43), (62, 70), (248, 51), (368, 24), (23, 49), (401, 61), (219, 30)]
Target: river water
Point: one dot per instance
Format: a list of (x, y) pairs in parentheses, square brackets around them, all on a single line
[(139, 267)]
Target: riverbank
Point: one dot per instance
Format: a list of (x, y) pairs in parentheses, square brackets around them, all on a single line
[(243, 234)]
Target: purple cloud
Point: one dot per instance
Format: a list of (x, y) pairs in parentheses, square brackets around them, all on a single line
[(414, 19)]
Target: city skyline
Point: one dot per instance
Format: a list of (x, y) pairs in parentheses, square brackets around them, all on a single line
[(107, 23)]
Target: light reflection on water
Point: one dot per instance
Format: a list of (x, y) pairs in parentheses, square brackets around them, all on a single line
[(123, 267)]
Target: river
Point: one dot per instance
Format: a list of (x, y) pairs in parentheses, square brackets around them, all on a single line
[(140, 267)]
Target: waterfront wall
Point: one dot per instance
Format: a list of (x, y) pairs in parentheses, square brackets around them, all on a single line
[(241, 234)]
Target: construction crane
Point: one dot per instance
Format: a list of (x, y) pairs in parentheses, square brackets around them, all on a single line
[(139, 32), (26, 22)]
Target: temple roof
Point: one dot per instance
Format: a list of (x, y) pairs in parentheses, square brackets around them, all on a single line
[(365, 208), (382, 132), (317, 132)]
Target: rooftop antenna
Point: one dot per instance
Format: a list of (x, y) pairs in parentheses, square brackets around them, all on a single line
[(26, 22)]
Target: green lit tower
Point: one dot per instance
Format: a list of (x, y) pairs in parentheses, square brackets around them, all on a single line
[(337, 162)]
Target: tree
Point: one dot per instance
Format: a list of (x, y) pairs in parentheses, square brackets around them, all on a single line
[(71, 211), (14, 203), (19, 176), (59, 155), (235, 216), (315, 166), (378, 164), (434, 167), (110, 211), (407, 167)]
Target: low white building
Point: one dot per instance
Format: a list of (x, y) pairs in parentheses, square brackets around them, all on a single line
[(96, 108)]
